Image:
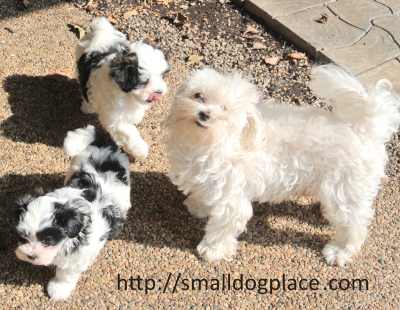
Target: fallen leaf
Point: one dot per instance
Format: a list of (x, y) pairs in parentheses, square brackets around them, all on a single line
[(90, 5), (177, 19), (323, 19), (297, 55), (259, 45), (130, 13), (194, 59), (164, 2), (272, 60), (112, 19), (251, 30), (77, 30)]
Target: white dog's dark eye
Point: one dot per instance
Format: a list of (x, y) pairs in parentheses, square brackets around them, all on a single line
[(199, 96)]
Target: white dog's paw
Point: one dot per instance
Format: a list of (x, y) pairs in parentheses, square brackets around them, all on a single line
[(60, 290), (195, 209), (224, 249), (336, 255), (140, 151)]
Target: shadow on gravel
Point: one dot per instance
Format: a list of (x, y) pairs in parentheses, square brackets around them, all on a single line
[(15, 8), (44, 108), (157, 219)]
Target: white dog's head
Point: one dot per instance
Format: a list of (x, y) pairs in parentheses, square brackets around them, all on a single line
[(46, 223), (212, 108), (139, 70)]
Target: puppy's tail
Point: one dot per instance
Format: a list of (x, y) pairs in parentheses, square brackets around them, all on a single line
[(100, 37), (374, 113), (78, 140)]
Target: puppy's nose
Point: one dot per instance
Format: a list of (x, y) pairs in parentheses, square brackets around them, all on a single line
[(31, 257), (158, 92), (204, 116)]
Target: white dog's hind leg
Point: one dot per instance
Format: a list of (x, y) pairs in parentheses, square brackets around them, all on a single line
[(224, 226), (351, 226), (346, 243), (62, 285), (129, 138)]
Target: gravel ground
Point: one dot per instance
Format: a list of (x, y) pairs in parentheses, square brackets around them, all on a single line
[(39, 102)]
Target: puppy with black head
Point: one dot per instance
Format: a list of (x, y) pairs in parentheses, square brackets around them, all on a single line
[(69, 226), (119, 81)]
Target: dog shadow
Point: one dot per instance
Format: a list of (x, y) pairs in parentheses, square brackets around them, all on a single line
[(43, 108), (157, 219)]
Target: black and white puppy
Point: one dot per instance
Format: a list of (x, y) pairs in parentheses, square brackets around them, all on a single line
[(69, 226), (119, 80)]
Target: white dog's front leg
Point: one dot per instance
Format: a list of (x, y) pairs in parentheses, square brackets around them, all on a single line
[(62, 285), (129, 138), (225, 225)]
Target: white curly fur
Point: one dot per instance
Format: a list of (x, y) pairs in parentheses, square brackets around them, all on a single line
[(226, 149)]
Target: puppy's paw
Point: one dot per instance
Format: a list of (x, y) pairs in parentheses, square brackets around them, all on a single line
[(139, 151), (224, 249), (195, 209), (336, 255), (59, 290)]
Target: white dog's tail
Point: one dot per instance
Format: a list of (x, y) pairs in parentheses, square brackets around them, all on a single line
[(78, 140), (374, 113)]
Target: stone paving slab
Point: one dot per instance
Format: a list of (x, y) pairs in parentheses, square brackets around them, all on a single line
[(360, 35), (389, 70), (359, 13)]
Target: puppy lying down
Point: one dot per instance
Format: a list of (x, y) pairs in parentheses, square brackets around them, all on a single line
[(227, 148), (69, 226)]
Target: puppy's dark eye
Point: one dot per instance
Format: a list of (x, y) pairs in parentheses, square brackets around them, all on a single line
[(22, 239), (165, 73), (199, 97), (50, 236), (142, 84)]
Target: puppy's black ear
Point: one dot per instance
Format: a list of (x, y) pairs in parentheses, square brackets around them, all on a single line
[(124, 70), (22, 204), (72, 217)]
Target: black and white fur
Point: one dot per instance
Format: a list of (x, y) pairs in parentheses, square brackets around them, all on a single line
[(119, 80), (69, 226)]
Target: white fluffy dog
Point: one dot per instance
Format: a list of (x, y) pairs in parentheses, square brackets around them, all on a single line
[(226, 149), (119, 80), (69, 226)]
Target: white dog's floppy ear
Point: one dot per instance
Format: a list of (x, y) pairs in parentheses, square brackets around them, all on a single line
[(252, 133)]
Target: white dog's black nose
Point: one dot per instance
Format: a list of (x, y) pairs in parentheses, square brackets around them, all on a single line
[(31, 257), (204, 116)]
